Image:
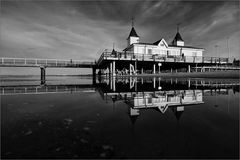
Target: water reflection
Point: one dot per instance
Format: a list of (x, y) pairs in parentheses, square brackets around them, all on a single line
[(81, 123), (162, 94)]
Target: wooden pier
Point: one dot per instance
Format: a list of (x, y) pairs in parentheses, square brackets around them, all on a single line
[(118, 63), (125, 63)]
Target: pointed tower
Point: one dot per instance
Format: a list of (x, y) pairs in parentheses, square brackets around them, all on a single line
[(178, 41), (133, 37)]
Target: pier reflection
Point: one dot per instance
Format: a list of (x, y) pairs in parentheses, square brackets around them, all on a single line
[(162, 94)]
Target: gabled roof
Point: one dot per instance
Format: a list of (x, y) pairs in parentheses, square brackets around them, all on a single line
[(157, 42), (133, 33), (178, 37)]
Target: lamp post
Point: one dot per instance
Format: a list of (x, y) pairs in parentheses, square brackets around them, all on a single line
[(216, 47), (228, 50), (159, 65)]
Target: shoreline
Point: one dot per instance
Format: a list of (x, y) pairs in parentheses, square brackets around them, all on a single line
[(216, 74)]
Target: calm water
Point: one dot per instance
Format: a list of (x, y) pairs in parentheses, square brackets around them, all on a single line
[(72, 117)]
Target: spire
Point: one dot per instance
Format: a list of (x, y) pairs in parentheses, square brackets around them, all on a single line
[(113, 51), (178, 24), (178, 38), (133, 36), (132, 22), (133, 33)]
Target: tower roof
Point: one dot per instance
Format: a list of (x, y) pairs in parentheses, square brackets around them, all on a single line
[(133, 33), (178, 37)]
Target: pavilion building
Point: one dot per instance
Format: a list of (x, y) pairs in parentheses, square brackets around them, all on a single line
[(161, 47)]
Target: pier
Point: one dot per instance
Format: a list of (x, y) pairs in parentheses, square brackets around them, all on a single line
[(115, 63), (122, 63), (43, 64)]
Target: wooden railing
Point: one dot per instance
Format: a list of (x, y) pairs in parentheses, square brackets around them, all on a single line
[(30, 62), (13, 90)]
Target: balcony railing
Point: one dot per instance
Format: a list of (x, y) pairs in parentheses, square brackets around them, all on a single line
[(160, 58)]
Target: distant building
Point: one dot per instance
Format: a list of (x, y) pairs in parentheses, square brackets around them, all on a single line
[(160, 47)]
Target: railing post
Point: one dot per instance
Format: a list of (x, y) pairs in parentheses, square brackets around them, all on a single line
[(36, 61), (43, 74), (25, 61)]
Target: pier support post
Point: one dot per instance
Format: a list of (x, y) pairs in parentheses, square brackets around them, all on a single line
[(130, 69), (159, 65), (154, 82), (94, 75), (113, 69), (189, 68), (154, 69), (110, 70), (114, 83), (136, 67), (43, 74), (142, 70)]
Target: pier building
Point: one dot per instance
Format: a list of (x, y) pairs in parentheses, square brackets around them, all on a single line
[(161, 47), (140, 57)]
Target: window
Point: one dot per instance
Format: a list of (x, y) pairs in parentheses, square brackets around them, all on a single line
[(149, 51)]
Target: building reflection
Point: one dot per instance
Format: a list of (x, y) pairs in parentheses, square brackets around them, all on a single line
[(160, 94), (140, 94)]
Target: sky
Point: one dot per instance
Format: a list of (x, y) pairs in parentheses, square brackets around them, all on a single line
[(81, 30)]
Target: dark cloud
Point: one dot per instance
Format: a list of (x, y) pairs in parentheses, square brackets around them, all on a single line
[(79, 29)]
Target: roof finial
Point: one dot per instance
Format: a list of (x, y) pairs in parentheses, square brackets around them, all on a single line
[(113, 45), (132, 21), (178, 24)]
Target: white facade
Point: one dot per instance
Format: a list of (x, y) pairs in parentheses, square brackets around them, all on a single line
[(180, 43), (164, 49), (190, 97), (161, 48), (132, 40)]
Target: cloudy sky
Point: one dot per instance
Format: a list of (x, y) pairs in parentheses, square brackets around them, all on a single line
[(82, 29)]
